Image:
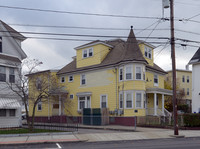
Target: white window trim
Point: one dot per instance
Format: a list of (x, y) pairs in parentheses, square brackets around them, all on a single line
[(188, 92), (40, 104), (61, 79), (69, 78), (129, 92), (131, 72), (72, 95), (141, 72), (121, 68), (88, 49), (85, 102), (106, 100), (142, 100), (81, 80), (148, 49), (156, 84), (121, 93)]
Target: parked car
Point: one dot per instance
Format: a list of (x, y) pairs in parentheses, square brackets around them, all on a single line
[(23, 116)]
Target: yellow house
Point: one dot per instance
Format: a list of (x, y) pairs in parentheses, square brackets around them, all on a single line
[(184, 83), (115, 74), (46, 93)]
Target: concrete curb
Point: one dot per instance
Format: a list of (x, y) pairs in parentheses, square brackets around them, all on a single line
[(35, 134), (41, 141), (116, 129)]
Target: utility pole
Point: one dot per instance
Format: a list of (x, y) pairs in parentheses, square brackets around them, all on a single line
[(173, 67)]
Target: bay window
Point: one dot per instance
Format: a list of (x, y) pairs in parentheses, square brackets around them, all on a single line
[(128, 72)]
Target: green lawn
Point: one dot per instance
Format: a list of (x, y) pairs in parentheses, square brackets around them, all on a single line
[(24, 130)]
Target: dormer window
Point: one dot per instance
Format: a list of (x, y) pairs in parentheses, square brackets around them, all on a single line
[(87, 52), (90, 52), (0, 44), (148, 52)]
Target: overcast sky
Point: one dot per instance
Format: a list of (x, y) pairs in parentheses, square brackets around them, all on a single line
[(56, 53)]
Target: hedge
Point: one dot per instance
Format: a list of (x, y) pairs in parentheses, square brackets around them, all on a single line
[(191, 120)]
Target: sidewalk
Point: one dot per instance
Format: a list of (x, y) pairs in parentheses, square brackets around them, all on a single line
[(140, 134)]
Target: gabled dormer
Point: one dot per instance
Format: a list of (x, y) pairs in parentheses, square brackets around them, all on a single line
[(147, 51), (92, 53)]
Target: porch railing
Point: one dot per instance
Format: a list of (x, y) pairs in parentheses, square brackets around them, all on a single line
[(150, 111)]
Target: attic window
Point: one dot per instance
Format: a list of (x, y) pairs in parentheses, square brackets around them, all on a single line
[(0, 44), (87, 52), (148, 52)]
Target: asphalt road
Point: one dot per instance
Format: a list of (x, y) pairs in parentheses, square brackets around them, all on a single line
[(176, 143)]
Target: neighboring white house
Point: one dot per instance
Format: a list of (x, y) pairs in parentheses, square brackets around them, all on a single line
[(195, 62), (11, 56)]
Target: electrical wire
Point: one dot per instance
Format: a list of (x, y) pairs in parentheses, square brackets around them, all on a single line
[(77, 13), (152, 30)]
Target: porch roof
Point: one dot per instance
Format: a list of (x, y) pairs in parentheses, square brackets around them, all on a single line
[(8, 103), (159, 91), (84, 94)]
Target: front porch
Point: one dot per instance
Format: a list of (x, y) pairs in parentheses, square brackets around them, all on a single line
[(155, 102)]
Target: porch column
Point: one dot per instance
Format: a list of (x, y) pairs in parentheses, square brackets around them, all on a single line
[(59, 105), (163, 103), (155, 105)]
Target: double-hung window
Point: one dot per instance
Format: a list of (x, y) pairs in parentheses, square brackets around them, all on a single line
[(138, 72), (90, 51), (39, 106), (84, 102), (188, 79), (148, 52), (3, 112), (183, 78), (12, 112), (87, 52), (129, 72), (155, 80), (11, 75), (104, 101), (121, 101), (138, 100), (83, 79), (188, 91), (70, 78), (129, 100), (62, 79), (120, 74), (2, 74)]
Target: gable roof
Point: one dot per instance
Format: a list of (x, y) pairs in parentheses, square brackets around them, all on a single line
[(13, 35), (196, 58), (13, 32), (122, 51)]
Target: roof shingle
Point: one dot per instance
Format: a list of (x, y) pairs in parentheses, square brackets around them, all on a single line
[(122, 51)]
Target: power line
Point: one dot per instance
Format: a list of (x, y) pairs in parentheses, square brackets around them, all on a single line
[(82, 27), (77, 35), (77, 13), (153, 30)]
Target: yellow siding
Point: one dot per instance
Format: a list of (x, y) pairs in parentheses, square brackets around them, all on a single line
[(150, 82), (150, 61), (33, 94), (99, 53), (180, 83)]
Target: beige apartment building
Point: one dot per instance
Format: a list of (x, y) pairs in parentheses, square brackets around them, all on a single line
[(184, 83)]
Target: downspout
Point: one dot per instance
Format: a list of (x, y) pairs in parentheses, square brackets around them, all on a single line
[(116, 86), (48, 98)]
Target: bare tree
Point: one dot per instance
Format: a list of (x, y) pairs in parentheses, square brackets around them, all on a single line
[(33, 87)]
